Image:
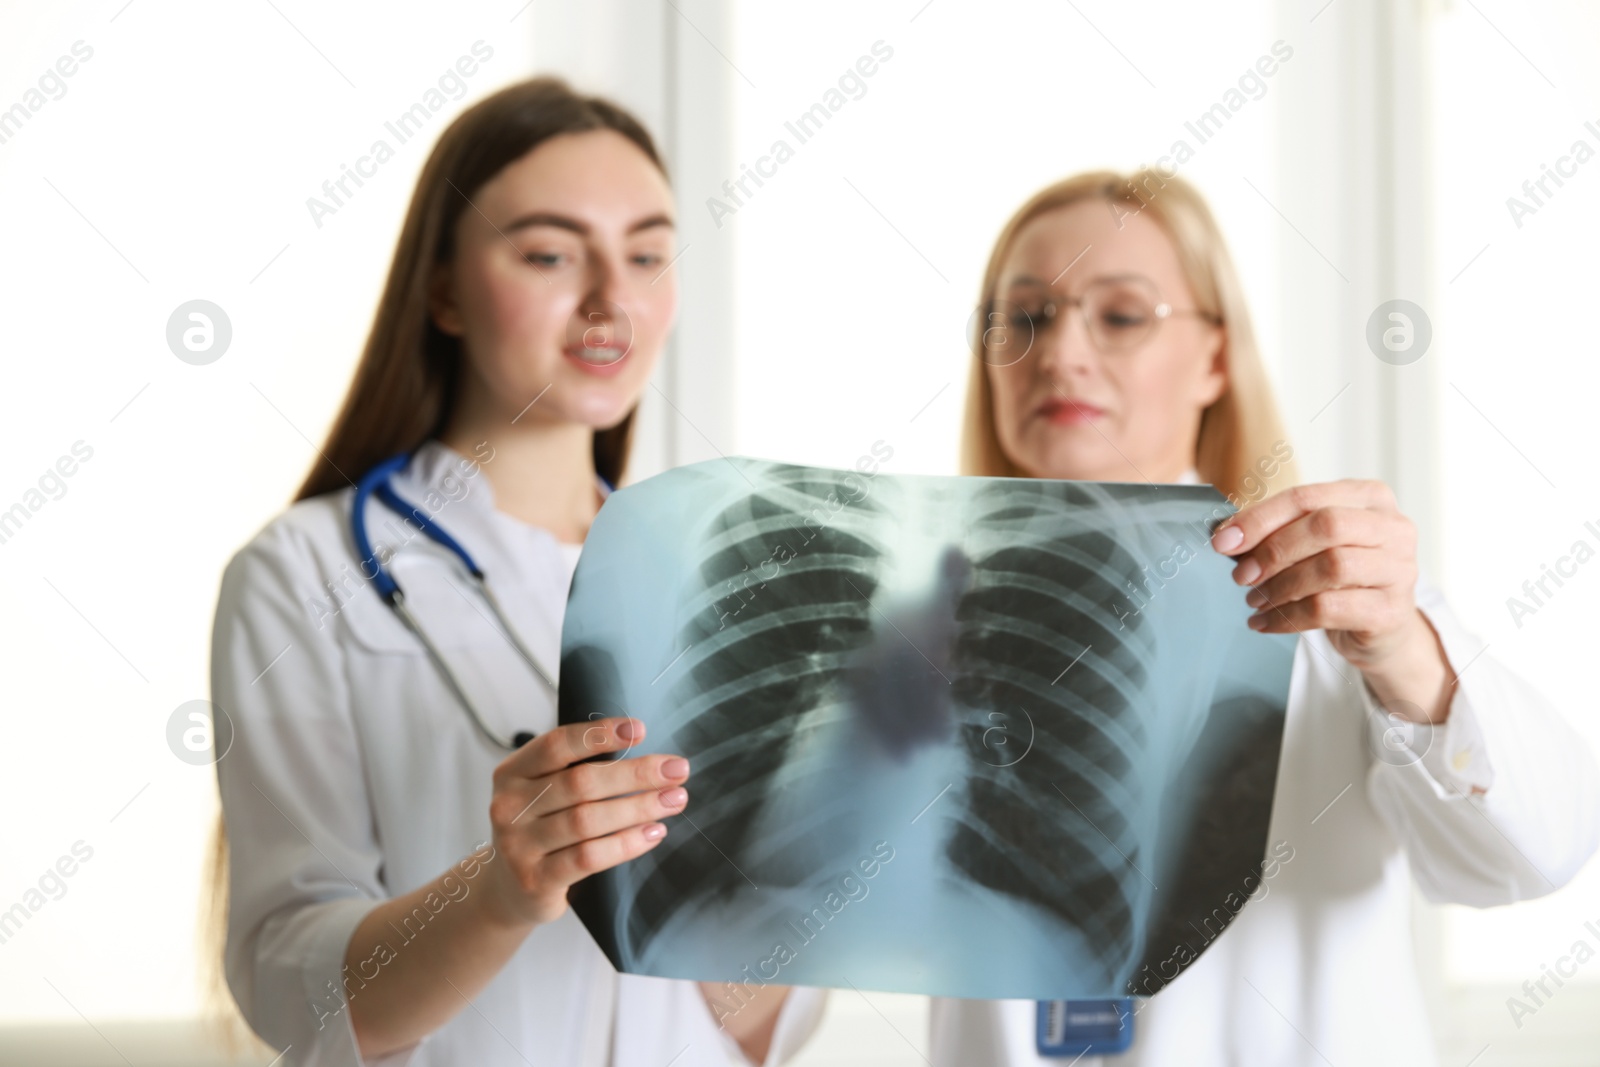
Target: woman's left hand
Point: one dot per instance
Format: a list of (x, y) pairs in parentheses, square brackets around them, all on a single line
[(1339, 557)]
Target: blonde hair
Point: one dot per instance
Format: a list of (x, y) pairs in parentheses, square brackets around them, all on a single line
[(1240, 441)]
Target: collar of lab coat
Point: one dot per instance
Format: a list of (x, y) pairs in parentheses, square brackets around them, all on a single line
[(510, 550), (435, 465), (438, 467)]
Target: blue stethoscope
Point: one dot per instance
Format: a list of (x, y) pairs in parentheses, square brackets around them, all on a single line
[(376, 484)]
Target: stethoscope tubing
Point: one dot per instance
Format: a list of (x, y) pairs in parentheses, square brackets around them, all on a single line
[(375, 483)]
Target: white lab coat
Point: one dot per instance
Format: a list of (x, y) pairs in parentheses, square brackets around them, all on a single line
[(355, 775), (1320, 969)]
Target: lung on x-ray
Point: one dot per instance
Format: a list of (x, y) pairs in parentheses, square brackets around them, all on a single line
[(971, 737)]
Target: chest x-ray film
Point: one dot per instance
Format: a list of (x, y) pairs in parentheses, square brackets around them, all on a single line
[(971, 737)]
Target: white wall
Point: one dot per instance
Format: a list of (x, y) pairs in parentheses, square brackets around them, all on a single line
[(859, 261), (176, 166), (1516, 85)]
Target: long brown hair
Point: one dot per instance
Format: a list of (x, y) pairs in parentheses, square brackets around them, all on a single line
[(405, 384), (1241, 434)]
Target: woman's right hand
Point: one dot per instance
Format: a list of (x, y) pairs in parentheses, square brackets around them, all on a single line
[(557, 820)]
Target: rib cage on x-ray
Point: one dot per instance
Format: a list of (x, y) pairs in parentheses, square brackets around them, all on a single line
[(1039, 644), (782, 601), (986, 673)]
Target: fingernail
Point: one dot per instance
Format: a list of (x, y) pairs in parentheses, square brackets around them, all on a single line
[(674, 798), (1228, 538), (676, 767), (1247, 572), (629, 729), (1255, 598), (654, 832), (1257, 622)]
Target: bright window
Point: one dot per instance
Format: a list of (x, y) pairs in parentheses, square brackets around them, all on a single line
[(1518, 274)]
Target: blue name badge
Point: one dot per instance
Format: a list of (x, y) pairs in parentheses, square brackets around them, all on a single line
[(1077, 1027)]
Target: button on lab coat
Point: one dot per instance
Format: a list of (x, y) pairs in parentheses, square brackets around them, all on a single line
[(1501, 805), (355, 775)]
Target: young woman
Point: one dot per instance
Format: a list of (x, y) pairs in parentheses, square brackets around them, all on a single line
[(400, 852), (1117, 347)]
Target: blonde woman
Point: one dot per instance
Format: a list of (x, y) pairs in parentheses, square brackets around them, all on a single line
[(1115, 345)]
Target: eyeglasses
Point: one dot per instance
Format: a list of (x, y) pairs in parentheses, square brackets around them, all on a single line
[(1120, 314)]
